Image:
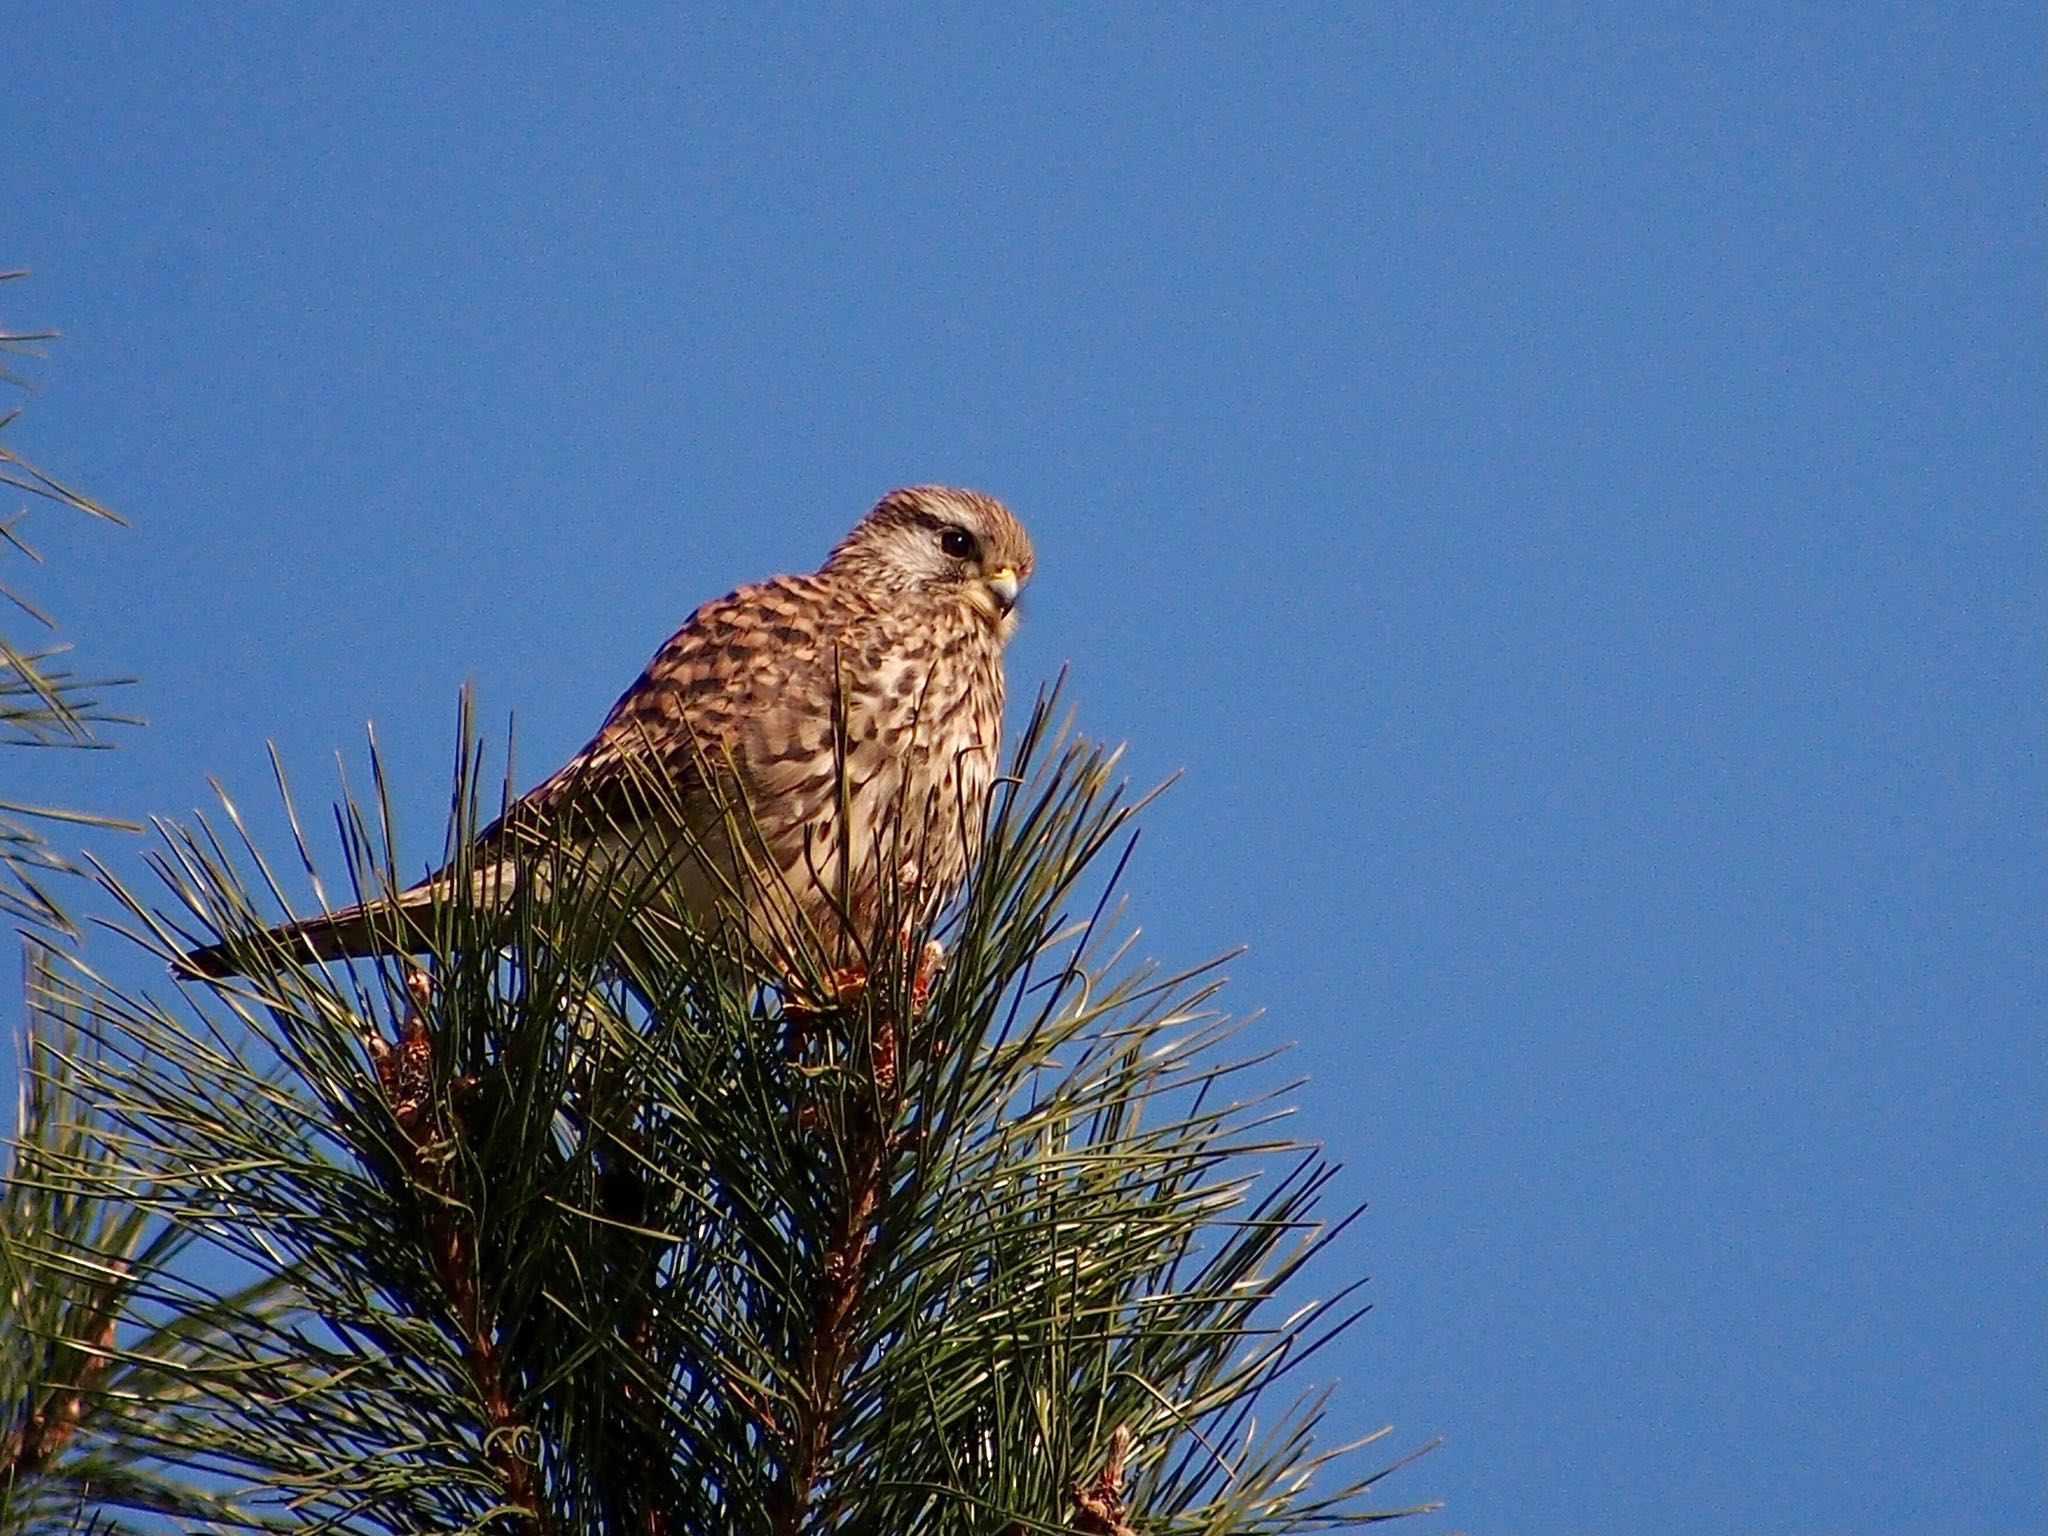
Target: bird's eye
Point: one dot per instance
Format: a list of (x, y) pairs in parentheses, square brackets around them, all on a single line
[(958, 543)]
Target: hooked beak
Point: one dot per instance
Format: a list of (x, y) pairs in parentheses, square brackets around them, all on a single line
[(1002, 585)]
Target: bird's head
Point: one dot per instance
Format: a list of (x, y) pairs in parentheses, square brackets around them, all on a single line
[(944, 543)]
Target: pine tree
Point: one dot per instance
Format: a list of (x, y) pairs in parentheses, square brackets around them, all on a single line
[(594, 1219)]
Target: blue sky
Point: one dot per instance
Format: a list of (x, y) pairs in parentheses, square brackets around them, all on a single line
[(1566, 484)]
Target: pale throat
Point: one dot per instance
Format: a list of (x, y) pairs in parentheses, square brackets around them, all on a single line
[(990, 613)]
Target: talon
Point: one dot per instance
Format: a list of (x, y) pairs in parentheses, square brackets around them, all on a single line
[(802, 1015), (930, 961)]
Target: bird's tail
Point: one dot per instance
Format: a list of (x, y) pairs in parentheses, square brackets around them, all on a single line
[(393, 927)]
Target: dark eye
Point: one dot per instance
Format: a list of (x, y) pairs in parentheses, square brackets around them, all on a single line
[(958, 543)]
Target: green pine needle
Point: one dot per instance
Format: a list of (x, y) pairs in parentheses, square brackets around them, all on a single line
[(583, 1228)]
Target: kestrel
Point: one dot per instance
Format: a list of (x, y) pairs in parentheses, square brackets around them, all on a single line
[(806, 754)]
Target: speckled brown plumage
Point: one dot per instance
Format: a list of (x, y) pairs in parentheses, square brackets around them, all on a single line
[(872, 687)]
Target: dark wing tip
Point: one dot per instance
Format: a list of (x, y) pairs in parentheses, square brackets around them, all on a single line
[(212, 963)]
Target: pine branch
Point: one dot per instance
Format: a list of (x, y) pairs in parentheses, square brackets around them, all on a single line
[(42, 702), (405, 1075), (85, 1332), (599, 1232), (864, 1126)]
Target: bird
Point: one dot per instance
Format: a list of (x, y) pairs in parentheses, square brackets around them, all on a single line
[(808, 755)]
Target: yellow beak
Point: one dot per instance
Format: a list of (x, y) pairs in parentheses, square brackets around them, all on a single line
[(1002, 583)]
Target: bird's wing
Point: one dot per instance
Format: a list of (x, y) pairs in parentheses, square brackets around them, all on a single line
[(743, 692)]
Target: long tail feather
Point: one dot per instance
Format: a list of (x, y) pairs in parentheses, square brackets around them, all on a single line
[(386, 928)]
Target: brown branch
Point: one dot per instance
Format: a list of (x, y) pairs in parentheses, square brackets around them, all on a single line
[(405, 1075), (867, 1145), (622, 1199), (44, 1432)]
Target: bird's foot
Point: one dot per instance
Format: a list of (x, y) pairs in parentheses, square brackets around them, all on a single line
[(846, 986), (805, 1011), (930, 961)]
